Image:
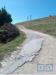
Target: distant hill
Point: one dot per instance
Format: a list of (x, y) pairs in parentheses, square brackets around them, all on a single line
[(45, 20)]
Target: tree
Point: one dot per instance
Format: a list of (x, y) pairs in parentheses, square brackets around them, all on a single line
[(5, 17)]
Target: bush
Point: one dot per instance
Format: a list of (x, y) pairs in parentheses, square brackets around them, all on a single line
[(8, 32), (5, 17)]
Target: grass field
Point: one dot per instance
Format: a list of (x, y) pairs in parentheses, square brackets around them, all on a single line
[(10, 46)]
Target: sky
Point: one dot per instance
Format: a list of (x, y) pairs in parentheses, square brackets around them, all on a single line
[(22, 10)]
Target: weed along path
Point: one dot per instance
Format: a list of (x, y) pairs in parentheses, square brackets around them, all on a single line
[(38, 48)]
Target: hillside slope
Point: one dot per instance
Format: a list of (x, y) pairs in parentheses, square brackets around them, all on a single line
[(45, 25)]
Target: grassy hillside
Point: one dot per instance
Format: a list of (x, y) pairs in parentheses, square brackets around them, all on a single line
[(46, 25)]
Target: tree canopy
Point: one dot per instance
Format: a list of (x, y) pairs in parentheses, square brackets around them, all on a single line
[(5, 17)]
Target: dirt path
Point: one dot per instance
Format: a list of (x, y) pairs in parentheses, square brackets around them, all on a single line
[(48, 50), (47, 55)]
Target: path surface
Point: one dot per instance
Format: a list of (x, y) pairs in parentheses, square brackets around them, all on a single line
[(47, 55), (30, 48), (43, 48)]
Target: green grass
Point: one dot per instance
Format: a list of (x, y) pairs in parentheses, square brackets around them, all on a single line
[(11, 46), (46, 28)]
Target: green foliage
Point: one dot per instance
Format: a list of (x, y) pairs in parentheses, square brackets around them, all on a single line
[(5, 17)]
